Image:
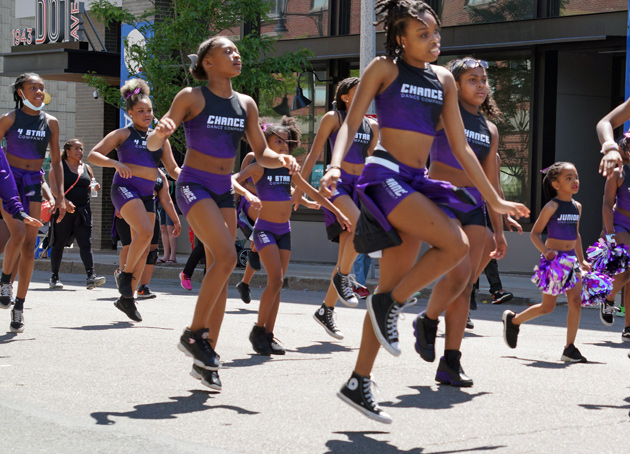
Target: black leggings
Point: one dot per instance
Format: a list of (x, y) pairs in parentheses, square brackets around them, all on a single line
[(62, 233), (195, 256)]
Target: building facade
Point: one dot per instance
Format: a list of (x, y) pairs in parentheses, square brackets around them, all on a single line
[(556, 67)]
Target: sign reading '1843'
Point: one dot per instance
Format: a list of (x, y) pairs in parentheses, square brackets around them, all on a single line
[(55, 21)]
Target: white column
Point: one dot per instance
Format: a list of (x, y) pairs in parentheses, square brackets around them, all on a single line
[(368, 38)]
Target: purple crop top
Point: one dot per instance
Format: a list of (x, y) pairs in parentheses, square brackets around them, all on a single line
[(134, 150), (477, 135), (28, 136), (274, 185), (563, 223), (358, 151), (623, 191), (217, 131), (412, 102)]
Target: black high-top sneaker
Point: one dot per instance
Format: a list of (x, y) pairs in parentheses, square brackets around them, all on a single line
[(450, 371), (197, 346), (357, 392), (325, 316), (384, 313), (425, 330)]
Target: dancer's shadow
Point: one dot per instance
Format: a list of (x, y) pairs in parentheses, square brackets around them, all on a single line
[(361, 442), (168, 410), (52, 289), (253, 360), (12, 337), (442, 398), (242, 311), (600, 407), (610, 344), (113, 325), (545, 364), (320, 348)]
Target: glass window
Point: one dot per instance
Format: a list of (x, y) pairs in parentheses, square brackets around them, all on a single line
[(575, 7), (459, 12), (293, 19)]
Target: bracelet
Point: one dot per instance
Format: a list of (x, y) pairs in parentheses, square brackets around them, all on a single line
[(334, 167), (609, 145)]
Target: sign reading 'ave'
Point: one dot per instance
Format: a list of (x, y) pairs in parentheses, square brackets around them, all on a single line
[(55, 21)]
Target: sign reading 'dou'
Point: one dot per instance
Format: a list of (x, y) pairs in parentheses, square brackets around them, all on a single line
[(55, 21)]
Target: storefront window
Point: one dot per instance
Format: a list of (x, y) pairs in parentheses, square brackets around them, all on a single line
[(460, 12), (293, 19), (576, 7)]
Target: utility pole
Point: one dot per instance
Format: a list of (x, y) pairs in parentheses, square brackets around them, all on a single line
[(368, 38)]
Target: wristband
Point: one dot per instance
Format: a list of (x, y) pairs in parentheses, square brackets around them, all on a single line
[(609, 145), (334, 167)]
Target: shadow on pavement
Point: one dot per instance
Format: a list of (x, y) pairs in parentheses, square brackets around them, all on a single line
[(242, 311), (168, 410), (361, 442), (113, 325), (620, 344), (253, 360), (600, 407), (60, 290), (323, 348), (11, 337), (549, 364), (441, 398)]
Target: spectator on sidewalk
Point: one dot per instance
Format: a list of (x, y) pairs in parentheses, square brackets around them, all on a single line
[(361, 269)]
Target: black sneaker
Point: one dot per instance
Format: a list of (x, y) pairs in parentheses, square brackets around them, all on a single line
[(144, 293), (253, 259), (244, 292), (606, 312), (325, 316), (425, 331), (274, 344), (473, 299), (258, 338), (384, 313), (128, 306), (357, 392), (197, 346), (625, 335), (123, 282), (469, 323), (344, 285), (452, 374), (94, 281), (572, 355), (17, 321), (6, 292), (209, 378), (501, 296), (54, 282), (510, 330)]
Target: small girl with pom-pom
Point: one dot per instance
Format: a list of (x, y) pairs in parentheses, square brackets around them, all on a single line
[(562, 262), (616, 213)]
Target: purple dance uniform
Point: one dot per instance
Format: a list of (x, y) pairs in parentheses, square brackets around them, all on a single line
[(28, 138), (273, 186), (357, 153), (412, 102), (134, 151), (563, 223), (478, 137), (621, 221), (217, 131), (244, 222)]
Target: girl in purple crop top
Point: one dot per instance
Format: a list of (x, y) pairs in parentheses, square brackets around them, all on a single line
[(345, 198), (134, 180), (475, 102), (204, 191), (562, 258), (272, 231), (616, 214), (398, 212), (29, 132)]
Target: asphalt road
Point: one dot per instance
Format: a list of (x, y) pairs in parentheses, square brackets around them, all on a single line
[(83, 378)]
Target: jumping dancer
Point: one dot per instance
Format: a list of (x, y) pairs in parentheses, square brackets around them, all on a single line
[(562, 261), (616, 213), (344, 198), (215, 120), (447, 296), (133, 184), (399, 202), (272, 230), (77, 177), (28, 132)]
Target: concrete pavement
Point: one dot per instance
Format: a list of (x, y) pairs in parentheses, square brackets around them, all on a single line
[(83, 378)]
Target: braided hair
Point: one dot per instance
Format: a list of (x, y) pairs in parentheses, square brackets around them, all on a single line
[(342, 89), (196, 68), (489, 108), (395, 14), (551, 174), (133, 91), (18, 84), (288, 125), (67, 146)]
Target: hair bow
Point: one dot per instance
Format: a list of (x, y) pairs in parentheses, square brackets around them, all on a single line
[(193, 61), (627, 135), (264, 127), (131, 93), (545, 170)]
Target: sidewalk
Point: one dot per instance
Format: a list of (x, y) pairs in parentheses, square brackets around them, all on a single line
[(300, 276)]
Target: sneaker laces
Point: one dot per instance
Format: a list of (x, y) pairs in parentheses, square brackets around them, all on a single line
[(5, 290), (331, 317), (17, 316), (392, 320), (609, 307), (347, 283), (367, 392)]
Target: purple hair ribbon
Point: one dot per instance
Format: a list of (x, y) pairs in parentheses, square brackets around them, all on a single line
[(135, 92)]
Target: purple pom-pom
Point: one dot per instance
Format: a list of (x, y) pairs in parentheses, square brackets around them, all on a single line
[(608, 257), (595, 287), (556, 276)]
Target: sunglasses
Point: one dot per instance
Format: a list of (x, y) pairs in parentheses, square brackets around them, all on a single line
[(469, 63)]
